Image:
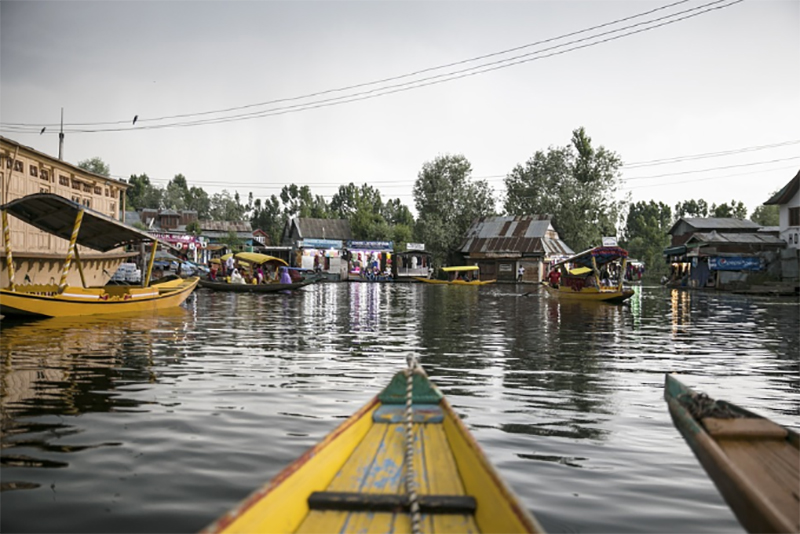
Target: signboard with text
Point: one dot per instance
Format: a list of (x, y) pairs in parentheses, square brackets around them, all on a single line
[(735, 263)]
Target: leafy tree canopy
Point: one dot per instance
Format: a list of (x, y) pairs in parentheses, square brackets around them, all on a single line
[(575, 184), (95, 165), (447, 202), (737, 210), (645, 235), (767, 215)]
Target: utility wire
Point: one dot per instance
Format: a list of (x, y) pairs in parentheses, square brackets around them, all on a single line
[(431, 80)]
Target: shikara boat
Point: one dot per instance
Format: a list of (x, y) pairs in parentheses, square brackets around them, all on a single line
[(462, 275), (585, 279), (273, 287), (754, 462), (357, 478), (80, 225)]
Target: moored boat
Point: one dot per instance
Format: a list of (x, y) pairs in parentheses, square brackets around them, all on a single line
[(754, 462), (462, 275), (594, 274), (273, 287), (80, 225), (404, 460)]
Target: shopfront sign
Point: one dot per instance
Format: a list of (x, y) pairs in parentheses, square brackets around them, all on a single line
[(319, 243), (735, 263), (415, 246), (370, 245)]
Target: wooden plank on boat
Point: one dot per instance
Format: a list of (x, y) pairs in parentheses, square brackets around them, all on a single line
[(388, 502), (741, 427)]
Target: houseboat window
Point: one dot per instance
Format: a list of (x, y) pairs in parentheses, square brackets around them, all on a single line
[(76, 185), (8, 162), (63, 180), (45, 175), (44, 189), (106, 191), (87, 188), (18, 166), (794, 216), (76, 198), (33, 170), (87, 202), (114, 208), (98, 190)]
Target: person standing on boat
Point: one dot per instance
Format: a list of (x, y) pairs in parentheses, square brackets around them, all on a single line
[(285, 277), (229, 266), (554, 277)]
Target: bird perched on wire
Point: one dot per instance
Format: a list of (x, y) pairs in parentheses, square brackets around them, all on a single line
[(135, 117), (43, 129)]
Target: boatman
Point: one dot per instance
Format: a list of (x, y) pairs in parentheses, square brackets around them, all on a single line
[(554, 277)]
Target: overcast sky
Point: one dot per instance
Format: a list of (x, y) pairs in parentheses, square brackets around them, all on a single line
[(725, 82)]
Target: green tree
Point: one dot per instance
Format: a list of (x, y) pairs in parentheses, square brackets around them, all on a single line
[(142, 194), (198, 200), (447, 202), (194, 228), (299, 202), (95, 165), (575, 184), (691, 208), (269, 217), (767, 215), (736, 210), (646, 234), (176, 193), (224, 207)]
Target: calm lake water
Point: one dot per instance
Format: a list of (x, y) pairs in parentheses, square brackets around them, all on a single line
[(160, 424)]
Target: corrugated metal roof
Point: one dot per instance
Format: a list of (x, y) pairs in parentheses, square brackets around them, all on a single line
[(716, 223), (736, 238), (324, 228), (225, 226), (512, 235)]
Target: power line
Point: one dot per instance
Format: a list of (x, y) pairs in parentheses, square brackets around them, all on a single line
[(711, 169), (426, 81)]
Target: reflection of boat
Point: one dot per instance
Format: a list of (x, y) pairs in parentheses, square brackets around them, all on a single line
[(753, 461), (590, 277), (357, 478), (81, 226), (470, 273)]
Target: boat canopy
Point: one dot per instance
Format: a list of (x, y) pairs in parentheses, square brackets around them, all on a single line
[(580, 271), (460, 268), (56, 215), (257, 258), (601, 255)]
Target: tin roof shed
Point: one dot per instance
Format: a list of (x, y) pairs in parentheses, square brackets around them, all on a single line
[(513, 236)]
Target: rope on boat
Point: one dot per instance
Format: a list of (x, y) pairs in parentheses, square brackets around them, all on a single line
[(411, 486)]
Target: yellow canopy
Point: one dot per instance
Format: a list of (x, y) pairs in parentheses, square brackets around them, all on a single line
[(255, 257), (460, 268), (578, 271)]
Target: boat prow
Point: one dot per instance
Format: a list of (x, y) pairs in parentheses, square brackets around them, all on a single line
[(754, 462), (354, 480)]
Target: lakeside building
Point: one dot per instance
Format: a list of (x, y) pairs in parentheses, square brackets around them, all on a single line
[(721, 252), (501, 245), (39, 256), (788, 200), (318, 244), (411, 263)]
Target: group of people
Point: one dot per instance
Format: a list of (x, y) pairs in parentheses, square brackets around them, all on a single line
[(230, 271)]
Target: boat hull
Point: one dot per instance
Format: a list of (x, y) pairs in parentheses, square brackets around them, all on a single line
[(363, 459), (253, 288), (455, 282), (590, 294), (754, 462), (45, 301)]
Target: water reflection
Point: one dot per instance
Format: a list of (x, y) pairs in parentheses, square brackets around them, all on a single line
[(565, 398)]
